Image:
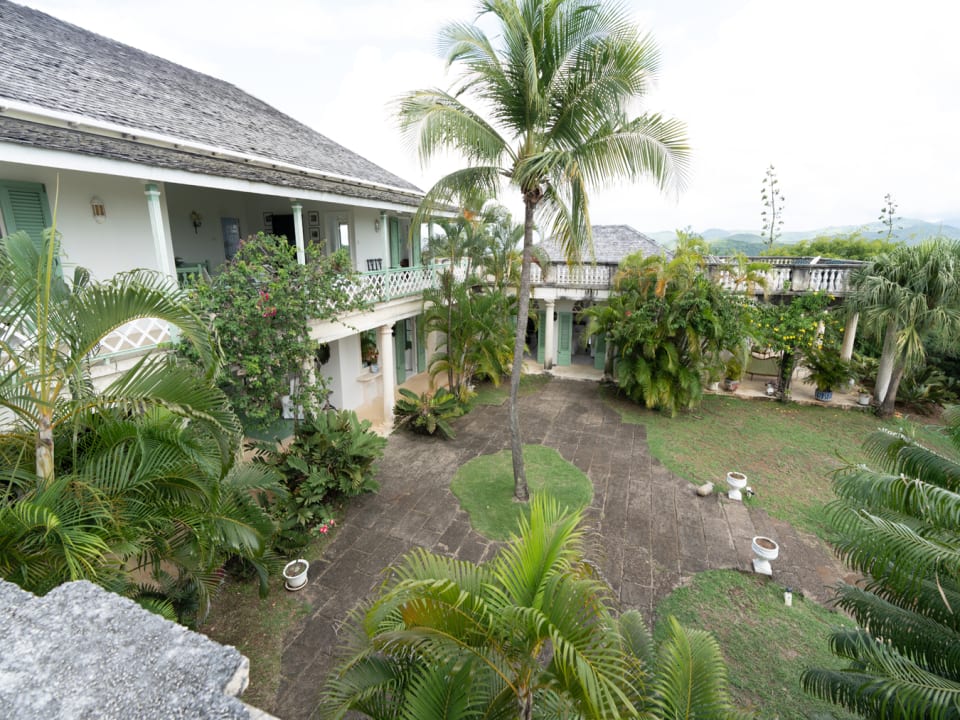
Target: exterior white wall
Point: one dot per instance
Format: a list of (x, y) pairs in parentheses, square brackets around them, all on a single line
[(122, 242), (369, 241)]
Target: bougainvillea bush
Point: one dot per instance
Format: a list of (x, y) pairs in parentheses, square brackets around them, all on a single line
[(260, 305)]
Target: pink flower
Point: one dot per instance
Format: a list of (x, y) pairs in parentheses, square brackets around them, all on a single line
[(324, 529)]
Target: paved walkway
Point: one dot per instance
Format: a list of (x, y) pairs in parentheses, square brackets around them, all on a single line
[(652, 531)]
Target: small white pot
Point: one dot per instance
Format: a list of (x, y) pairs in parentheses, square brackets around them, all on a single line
[(295, 573), (737, 482), (765, 550), (864, 399)]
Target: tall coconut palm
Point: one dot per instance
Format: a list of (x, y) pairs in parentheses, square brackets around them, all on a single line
[(552, 91), (898, 526), (907, 296), (528, 634)]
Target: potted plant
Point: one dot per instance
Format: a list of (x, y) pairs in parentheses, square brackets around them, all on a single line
[(369, 351), (734, 373), (827, 371), (713, 374), (295, 573), (864, 396)]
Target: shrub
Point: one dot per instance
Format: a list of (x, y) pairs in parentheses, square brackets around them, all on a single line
[(332, 456), (427, 413)]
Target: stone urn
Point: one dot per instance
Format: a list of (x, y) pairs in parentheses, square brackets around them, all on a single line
[(765, 550), (737, 482)]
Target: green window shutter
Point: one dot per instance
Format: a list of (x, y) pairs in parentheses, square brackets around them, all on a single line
[(400, 350), (599, 350), (421, 345), (416, 248), (564, 338), (541, 337), (394, 242), (25, 207)]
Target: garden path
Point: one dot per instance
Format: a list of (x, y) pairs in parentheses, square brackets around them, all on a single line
[(651, 532)]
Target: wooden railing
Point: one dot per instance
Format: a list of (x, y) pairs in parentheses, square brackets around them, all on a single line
[(383, 285)]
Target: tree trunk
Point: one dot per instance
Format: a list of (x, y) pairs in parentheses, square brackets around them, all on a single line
[(886, 408), (520, 491), (608, 356), (44, 450), (887, 357)]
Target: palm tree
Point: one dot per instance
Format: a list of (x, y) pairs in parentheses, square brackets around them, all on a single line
[(897, 525), (556, 87), (527, 634), (146, 499), (907, 296)]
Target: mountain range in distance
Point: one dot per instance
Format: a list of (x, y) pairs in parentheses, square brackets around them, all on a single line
[(907, 230)]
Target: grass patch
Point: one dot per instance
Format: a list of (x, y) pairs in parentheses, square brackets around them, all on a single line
[(484, 487), (788, 452), (766, 644), (256, 627), (490, 394)]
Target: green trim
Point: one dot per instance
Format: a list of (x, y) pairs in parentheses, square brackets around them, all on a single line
[(541, 336), (564, 338)]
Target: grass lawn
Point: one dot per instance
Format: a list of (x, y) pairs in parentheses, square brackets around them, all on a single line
[(788, 452), (484, 487), (766, 644), (490, 394), (256, 627)]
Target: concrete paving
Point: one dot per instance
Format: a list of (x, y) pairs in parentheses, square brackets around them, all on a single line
[(650, 532)]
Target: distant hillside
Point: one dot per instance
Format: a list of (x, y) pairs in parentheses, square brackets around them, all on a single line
[(721, 241)]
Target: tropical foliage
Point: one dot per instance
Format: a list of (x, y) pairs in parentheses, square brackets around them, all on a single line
[(259, 307), (793, 330), (427, 413), (897, 526), (134, 486), (910, 297), (528, 634), (848, 246), (669, 323), (554, 83), (332, 456)]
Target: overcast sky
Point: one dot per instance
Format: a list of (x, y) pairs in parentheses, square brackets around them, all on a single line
[(849, 99)]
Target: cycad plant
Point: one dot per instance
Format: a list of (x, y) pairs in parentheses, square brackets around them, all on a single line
[(528, 634), (898, 526), (134, 486)]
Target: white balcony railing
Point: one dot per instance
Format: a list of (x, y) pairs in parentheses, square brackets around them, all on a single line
[(383, 285), (792, 275)]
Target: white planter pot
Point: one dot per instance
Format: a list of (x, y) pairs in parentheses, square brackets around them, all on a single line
[(863, 399), (737, 482), (295, 573), (765, 550)]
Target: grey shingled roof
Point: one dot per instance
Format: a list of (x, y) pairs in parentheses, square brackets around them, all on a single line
[(61, 67), (611, 244), (80, 652)]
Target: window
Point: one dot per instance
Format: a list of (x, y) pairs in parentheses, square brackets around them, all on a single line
[(24, 206)]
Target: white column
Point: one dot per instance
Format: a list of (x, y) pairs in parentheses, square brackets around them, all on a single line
[(298, 232), (388, 372), (385, 234), (162, 245), (550, 338), (849, 335)]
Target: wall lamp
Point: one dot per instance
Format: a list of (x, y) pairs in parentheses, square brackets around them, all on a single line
[(197, 220), (99, 210)]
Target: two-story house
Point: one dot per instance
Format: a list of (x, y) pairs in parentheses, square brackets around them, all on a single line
[(161, 167)]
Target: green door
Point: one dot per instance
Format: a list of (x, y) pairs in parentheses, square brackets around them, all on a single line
[(564, 338), (394, 242), (421, 345), (599, 350), (400, 350), (541, 337)]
